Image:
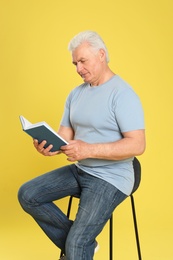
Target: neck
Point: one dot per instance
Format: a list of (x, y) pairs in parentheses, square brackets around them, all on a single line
[(104, 77)]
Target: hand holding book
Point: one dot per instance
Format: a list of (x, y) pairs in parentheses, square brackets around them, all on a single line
[(43, 132), (46, 151)]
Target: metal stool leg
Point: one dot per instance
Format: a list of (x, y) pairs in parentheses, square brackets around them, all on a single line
[(136, 227), (111, 238), (69, 206)]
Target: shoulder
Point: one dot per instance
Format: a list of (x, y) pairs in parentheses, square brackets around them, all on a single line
[(121, 85), (78, 89), (76, 93), (120, 89)]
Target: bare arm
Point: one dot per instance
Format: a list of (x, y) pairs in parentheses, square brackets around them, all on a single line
[(66, 133), (132, 144)]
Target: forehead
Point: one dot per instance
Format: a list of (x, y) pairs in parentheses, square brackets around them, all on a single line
[(83, 51)]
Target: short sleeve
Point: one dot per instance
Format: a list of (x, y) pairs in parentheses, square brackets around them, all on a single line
[(128, 111), (65, 121)]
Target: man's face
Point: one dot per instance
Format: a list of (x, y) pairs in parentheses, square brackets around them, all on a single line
[(88, 63)]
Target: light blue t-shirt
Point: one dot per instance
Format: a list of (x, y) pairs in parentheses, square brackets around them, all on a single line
[(99, 114)]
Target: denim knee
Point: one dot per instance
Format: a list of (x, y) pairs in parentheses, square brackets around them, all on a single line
[(25, 197)]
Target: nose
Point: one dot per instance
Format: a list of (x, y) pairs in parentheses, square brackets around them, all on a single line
[(79, 67)]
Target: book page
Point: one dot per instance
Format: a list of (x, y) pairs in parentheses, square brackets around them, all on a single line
[(25, 122)]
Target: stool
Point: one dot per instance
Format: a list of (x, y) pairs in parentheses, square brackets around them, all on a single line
[(137, 177)]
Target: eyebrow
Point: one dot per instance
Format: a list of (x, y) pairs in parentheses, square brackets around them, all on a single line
[(81, 59)]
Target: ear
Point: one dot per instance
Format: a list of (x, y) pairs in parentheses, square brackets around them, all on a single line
[(102, 55)]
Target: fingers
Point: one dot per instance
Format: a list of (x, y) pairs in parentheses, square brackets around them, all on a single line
[(42, 150), (71, 152), (39, 147)]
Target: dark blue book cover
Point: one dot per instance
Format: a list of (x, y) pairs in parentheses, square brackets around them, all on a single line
[(42, 131)]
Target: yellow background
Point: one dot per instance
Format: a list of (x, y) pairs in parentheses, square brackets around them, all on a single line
[(36, 75)]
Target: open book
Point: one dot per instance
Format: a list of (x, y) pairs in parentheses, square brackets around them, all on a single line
[(42, 131)]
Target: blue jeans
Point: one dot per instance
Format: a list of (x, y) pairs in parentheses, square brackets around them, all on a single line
[(98, 199)]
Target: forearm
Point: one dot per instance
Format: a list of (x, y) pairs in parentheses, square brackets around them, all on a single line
[(66, 133), (122, 149), (132, 144)]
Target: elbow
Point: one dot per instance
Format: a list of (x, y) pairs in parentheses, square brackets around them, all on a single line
[(141, 149)]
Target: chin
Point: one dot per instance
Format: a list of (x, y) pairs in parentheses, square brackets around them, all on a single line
[(85, 80)]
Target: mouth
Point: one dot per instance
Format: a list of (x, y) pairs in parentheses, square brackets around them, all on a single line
[(84, 76)]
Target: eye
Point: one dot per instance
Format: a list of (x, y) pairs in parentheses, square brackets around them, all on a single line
[(83, 61), (80, 61)]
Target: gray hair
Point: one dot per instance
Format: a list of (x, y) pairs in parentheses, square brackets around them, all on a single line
[(92, 38)]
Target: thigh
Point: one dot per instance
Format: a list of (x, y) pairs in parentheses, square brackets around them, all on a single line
[(53, 185), (97, 202)]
